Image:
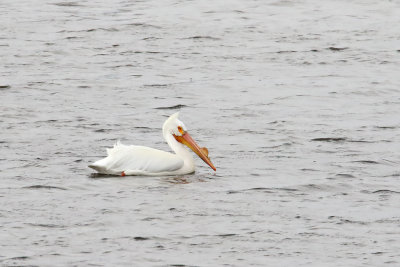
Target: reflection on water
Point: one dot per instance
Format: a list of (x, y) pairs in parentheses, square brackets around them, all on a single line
[(177, 180)]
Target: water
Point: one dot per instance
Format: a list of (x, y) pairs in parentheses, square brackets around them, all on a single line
[(297, 102)]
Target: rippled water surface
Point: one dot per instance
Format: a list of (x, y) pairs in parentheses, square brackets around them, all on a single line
[(297, 101)]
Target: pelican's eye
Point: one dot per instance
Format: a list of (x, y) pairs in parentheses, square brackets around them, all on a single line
[(180, 129)]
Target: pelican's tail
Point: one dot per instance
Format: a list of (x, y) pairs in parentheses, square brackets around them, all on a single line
[(99, 166), (117, 147), (106, 164)]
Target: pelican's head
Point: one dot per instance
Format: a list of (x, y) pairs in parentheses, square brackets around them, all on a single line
[(173, 126)]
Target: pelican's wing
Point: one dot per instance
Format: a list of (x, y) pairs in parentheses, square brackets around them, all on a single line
[(138, 159)]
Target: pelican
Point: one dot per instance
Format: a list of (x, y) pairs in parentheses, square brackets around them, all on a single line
[(140, 160)]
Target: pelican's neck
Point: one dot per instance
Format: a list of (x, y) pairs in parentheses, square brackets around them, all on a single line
[(180, 150)]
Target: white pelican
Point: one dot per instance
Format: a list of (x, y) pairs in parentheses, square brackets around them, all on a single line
[(140, 160)]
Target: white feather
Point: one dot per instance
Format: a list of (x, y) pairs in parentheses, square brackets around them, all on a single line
[(140, 160)]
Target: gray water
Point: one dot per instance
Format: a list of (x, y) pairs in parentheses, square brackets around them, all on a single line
[(297, 101)]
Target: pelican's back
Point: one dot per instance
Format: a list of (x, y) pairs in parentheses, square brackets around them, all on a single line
[(140, 159)]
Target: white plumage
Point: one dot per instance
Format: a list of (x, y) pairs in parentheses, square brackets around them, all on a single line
[(141, 160)]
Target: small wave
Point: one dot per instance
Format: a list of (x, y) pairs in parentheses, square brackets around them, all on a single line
[(142, 127), (308, 170), (102, 130), (102, 29), (172, 107), (380, 127), (44, 187), (197, 37), (262, 189), (337, 48), (147, 219), (366, 161), (226, 235), (70, 4), (344, 175), (156, 85), (20, 258), (144, 25), (286, 51), (360, 141), (385, 191), (396, 174), (329, 139), (151, 38), (45, 225), (342, 220), (72, 37), (141, 238)]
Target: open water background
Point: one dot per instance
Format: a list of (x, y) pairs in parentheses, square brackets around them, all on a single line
[(297, 101)]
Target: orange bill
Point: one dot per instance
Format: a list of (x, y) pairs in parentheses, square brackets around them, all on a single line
[(187, 140)]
